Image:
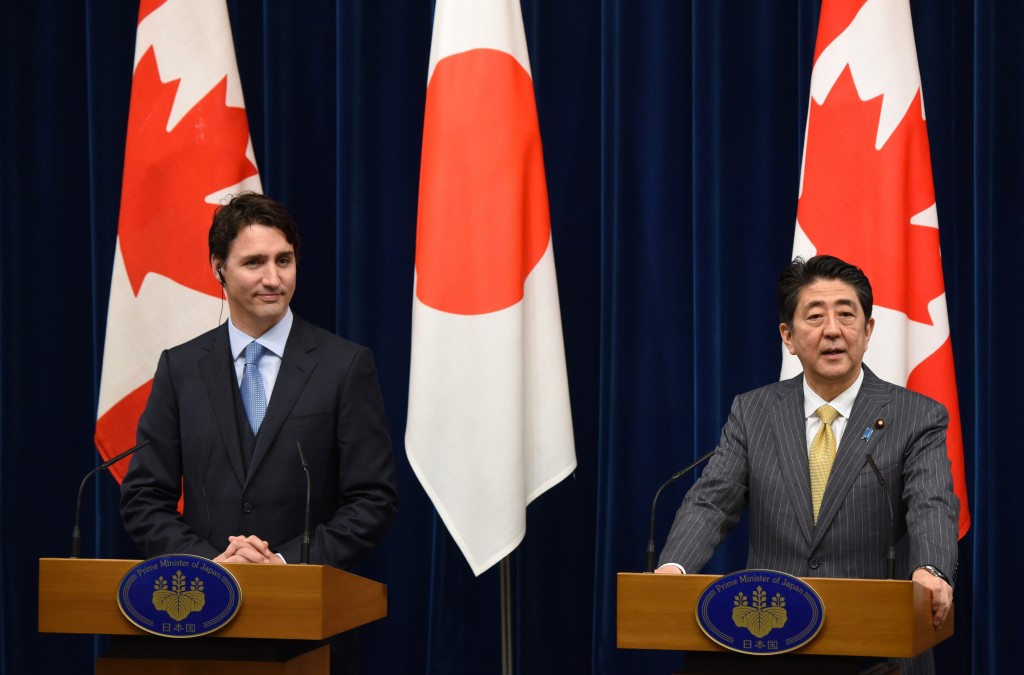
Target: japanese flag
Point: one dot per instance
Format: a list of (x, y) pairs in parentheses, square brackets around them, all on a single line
[(489, 426)]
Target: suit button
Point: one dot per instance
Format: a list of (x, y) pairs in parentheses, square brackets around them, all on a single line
[(248, 507), (813, 563)]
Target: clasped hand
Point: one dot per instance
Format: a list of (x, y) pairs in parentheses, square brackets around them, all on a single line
[(249, 549)]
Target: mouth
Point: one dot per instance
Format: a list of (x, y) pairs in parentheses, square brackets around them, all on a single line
[(833, 352)]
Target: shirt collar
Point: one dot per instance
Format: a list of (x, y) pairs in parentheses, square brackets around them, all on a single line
[(274, 339), (842, 403)]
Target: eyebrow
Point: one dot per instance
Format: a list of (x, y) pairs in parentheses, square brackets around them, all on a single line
[(846, 302), (263, 256)]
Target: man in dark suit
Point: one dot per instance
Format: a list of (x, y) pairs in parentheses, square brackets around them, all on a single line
[(768, 448), (235, 455)]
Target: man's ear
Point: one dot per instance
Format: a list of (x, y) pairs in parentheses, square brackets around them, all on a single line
[(217, 265), (787, 337)]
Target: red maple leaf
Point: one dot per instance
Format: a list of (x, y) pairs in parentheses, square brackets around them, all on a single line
[(168, 174), (857, 201), (147, 7)]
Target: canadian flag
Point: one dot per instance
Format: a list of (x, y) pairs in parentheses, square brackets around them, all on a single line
[(187, 148), (867, 196), (489, 425)]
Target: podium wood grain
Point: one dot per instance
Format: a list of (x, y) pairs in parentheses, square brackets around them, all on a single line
[(284, 602), (863, 617)]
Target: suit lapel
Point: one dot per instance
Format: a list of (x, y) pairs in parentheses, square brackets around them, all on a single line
[(872, 400), (220, 381), (297, 365), (791, 442)]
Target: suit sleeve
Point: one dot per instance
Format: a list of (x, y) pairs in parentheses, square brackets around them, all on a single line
[(152, 488), (931, 505), (715, 503), (368, 499)]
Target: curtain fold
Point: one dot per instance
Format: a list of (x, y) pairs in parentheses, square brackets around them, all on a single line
[(672, 136)]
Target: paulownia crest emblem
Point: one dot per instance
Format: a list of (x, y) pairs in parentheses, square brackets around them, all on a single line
[(176, 601), (756, 616)]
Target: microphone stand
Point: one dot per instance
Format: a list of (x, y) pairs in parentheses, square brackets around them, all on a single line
[(76, 535), (676, 476), (304, 551), (890, 559)]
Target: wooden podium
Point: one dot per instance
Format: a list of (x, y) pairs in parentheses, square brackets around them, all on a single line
[(286, 613), (863, 618)]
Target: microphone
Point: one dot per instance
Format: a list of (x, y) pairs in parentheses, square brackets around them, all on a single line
[(304, 552), (890, 560), (76, 537), (676, 476)]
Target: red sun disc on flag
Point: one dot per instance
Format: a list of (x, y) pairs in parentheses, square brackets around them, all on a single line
[(483, 214)]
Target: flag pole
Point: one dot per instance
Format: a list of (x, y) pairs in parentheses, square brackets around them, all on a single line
[(506, 617)]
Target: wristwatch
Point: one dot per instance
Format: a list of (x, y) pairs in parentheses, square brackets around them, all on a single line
[(934, 571)]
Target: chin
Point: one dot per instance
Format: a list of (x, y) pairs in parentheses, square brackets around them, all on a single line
[(835, 371), (836, 376)]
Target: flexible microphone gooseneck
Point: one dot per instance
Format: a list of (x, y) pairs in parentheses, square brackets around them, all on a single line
[(304, 553), (676, 476), (76, 535), (890, 559)]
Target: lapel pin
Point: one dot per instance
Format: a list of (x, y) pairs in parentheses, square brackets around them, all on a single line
[(879, 423), (867, 434)]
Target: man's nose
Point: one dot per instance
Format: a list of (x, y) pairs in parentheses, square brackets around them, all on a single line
[(831, 325)]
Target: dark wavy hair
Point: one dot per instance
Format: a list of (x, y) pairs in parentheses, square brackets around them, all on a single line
[(249, 208), (799, 274)]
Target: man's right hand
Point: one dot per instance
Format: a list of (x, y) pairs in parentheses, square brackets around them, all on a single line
[(668, 569)]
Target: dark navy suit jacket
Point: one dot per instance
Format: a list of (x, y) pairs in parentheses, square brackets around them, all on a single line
[(326, 396)]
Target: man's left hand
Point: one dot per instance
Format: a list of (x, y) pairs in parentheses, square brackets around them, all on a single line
[(942, 595)]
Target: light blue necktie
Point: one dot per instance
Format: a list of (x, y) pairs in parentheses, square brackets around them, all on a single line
[(254, 396)]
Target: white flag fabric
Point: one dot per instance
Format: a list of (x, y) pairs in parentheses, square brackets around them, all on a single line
[(187, 147), (866, 196), (489, 424)]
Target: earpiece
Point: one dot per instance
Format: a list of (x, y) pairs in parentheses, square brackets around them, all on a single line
[(220, 273)]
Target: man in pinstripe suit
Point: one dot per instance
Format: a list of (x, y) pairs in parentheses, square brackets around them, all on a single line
[(762, 459)]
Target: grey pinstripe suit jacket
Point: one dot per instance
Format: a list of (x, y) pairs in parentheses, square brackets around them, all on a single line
[(762, 463)]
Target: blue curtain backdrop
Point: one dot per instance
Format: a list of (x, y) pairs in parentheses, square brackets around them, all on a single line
[(672, 134)]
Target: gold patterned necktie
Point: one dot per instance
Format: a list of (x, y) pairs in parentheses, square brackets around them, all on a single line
[(823, 453)]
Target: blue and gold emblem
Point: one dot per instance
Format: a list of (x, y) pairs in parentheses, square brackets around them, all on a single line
[(760, 612), (179, 596)]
